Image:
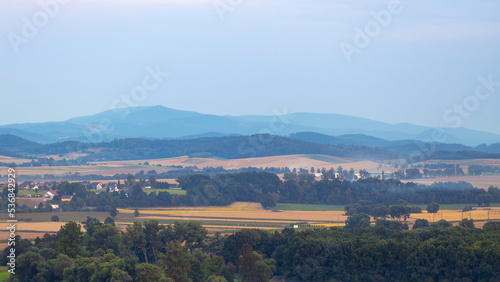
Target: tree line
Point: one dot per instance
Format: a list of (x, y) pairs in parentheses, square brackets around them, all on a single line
[(149, 251)]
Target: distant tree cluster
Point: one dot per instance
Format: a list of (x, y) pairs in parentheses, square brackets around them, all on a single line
[(476, 170), (400, 211), (415, 173)]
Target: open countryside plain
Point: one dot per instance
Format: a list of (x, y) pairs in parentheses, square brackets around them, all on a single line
[(305, 161), (110, 168), (238, 215)]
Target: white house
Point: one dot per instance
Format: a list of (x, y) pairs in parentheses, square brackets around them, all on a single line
[(49, 195)]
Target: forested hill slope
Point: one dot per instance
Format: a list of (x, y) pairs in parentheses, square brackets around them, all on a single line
[(232, 147), (228, 147)]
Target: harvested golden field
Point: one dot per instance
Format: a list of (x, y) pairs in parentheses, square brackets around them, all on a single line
[(160, 217), (479, 214), (241, 211), (237, 216), (251, 215), (107, 169), (292, 161), (31, 230), (4, 235), (6, 159), (40, 222), (34, 226)]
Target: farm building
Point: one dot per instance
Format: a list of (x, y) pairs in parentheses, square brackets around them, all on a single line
[(28, 185), (49, 195), (97, 185), (112, 187), (66, 198)]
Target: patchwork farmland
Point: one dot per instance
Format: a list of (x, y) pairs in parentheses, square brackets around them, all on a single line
[(230, 218)]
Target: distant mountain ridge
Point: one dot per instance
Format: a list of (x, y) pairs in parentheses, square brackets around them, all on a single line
[(158, 122)]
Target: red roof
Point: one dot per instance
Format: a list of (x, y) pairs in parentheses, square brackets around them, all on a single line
[(53, 192)]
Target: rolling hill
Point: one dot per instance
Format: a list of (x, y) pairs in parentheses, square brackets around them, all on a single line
[(236, 147), (230, 147), (158, 122)]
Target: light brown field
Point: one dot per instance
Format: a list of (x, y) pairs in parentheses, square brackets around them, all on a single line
[(34, 226), (132, 166), (237, 216), (66, 156), (241, 211), (305, 161), (6, 159), (30, 230), (479, 214), (161, 217), (4, 235), (251, 215), (107, 169), (291, 161)]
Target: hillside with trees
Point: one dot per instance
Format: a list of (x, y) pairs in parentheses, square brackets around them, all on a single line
[(229, 147)]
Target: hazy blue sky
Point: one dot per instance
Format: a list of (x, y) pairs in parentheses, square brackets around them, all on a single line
[(255, 56)]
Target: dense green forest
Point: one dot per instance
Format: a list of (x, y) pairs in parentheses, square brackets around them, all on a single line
[(230, 147), (149, 251), (234, 147)]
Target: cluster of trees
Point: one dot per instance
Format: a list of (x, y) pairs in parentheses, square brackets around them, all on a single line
[(146, 251), (303, 188), (402, 210), (149, 251), (360, 213), (415, 173), (457, 155), (438, 166), (475, 170), (379, 191)]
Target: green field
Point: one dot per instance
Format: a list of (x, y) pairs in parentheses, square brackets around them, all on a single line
[(4, 275), (171, 191), (30, 192), (307, 207)]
